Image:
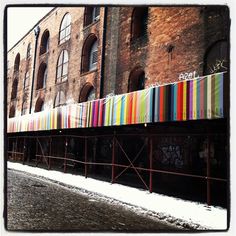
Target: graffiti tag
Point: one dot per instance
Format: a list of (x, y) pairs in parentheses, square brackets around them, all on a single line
[(217, 66)]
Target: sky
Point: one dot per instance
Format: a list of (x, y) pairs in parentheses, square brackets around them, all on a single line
[(20, 20)]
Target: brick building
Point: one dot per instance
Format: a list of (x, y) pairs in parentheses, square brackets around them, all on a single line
[(76, 55)]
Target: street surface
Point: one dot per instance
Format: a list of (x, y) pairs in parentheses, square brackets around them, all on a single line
[(38, 205)]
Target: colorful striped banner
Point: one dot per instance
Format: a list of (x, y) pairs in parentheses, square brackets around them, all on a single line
[(186, 100)]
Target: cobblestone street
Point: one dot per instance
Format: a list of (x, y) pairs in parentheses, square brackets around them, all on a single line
[(35, 204)]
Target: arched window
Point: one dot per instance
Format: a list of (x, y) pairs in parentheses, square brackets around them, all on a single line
[(26, 81), (39, 106), (12, 111), (136, 80), (24, 108), (65, 29), (14, 88), (62, 66), (216, 58), (91, 14), (44, 46), (89, 54), (28, 54), (42, 76), (139, 22), (60, 99), (17, 63), (87, 93)]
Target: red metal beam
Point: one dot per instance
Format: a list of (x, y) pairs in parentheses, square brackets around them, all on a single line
[(131, 164), (66, 143), (85, 157), (208, 170), (113, 160), (150, 163)]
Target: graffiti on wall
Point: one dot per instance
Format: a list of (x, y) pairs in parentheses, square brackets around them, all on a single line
[(169, 155), (218, 66)]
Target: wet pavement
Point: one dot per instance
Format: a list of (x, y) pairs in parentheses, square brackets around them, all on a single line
[(38, 205)]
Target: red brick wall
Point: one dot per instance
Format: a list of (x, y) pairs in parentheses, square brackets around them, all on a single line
[(190, 30)]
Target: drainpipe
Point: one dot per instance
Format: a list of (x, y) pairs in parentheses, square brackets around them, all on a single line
[(36, 34), (103, 52)]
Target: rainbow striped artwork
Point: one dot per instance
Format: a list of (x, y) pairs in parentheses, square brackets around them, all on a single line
[(195, 99)]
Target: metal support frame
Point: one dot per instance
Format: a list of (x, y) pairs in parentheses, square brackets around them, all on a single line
[(85, 157), (36, 155), (24, 152), (131, 163), (150, 162), (113, 159), (50, 153), (115, 144), (208, 170), (65, 156)]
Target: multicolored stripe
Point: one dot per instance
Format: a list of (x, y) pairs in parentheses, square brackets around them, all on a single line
[(186, 100)]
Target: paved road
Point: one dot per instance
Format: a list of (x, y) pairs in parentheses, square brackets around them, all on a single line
[(35, 204)]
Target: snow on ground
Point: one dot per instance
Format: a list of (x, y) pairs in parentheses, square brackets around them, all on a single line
[(171, 209)]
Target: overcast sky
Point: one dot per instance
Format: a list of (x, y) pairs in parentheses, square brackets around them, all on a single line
[(20, 20)]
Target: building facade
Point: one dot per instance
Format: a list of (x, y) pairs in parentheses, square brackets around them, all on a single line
[(76, 55)]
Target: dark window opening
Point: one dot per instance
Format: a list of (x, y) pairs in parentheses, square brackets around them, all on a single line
[(42, 76), (12, 111), (60, 99), (28, 51), (14, 89), (89, 54), (24, 108), (26, 81), (65, 29), (44, 46), (136, 80), (17, 63), (62, 67), (39, 106), (139, 22), (91, 14), (87, 93), (216, 58)]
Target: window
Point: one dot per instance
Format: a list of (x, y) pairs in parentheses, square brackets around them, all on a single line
[(65, 29), (24, 108), (216, 58), (44, 46), (60, 99), (89, 54), (91, 14), (42, 76), (26, 81), (12, 111), (28, 54), (93, 57), (17, 63), (139, 22), (39, 105), (14, 89), (87, 93), (62, 67), (136, 80)]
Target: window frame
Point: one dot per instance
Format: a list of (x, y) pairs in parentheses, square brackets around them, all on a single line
[(27, 78), (42, 76), (59, 93), (66, 36), (24, 108), (93, 51), (138, 22), (63, 66), (28, 53)]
